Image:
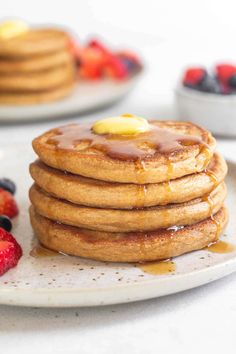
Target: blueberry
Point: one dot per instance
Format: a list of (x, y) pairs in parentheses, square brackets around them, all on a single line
[(5, 223), (8, 185), (209, 84), (129, 64), (232, 81), (193, 87)]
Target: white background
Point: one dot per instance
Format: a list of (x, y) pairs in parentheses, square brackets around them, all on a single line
[(169, 35)]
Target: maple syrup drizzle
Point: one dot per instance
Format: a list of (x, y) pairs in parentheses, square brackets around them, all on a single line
[(141, 187), (208, 199), (170, 169), (157, 267), (168, 188), (40, 251), (221, 247), (134, 147), (213, 177), (206, 152)]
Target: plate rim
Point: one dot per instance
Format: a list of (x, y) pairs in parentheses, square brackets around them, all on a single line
[(40, 293), (44, 111)]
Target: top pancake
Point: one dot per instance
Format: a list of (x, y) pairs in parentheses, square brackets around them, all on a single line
[(167, 151), (34, 42)]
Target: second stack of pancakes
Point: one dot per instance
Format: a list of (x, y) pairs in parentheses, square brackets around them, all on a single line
[(36, 67), (112, 198)]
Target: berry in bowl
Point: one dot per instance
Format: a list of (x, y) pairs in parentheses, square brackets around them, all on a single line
[(209, 98)]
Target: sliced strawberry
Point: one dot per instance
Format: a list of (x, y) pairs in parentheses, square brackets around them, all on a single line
[(92, 62), (95, 44), (113, 66), (10, 251), (116, 68), (194, 76), (8, 205), (6, 236), (224, 72)]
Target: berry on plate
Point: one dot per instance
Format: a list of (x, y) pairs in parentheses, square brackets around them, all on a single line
[(116, 68), (130, 61), (92, 61), (10, 251), (5, 223), (96, 61), (8, 205), (8, 185)]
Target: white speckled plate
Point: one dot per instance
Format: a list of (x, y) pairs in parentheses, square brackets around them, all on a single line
[(65, 281), (87, 96)]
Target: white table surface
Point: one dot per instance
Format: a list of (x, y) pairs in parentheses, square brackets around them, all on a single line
[(196, 321)]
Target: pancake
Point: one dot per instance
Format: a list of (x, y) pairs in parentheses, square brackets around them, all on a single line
[(169, 150), (34, 42), (36, 63), (91, 192), (121, 220), (128, 247), (29, 98), (40, 81)]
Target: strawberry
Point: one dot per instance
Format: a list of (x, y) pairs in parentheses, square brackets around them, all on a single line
[(116, 68), (8, 205), (6, 236), (92, 62), (10, 251), (113, 66), (224, 72), (95, 44), (194, 76)]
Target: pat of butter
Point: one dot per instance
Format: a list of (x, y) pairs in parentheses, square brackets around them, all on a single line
[(10, 29), (126, 124)]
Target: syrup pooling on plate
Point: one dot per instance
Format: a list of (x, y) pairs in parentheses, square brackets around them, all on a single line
[(40, 251), (157, 268), (141, 146), (221, 247)]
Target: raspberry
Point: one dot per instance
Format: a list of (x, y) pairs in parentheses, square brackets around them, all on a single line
[(224, 72), (194, 76), (8, 205)]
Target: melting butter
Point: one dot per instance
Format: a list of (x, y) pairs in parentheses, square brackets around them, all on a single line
[(14, 28), (126, 124)]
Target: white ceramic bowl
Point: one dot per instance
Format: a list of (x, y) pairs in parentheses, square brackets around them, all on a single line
[(216, 113)]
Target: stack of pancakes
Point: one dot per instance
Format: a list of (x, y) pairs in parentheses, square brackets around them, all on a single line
[(146, 197), (35, 67)]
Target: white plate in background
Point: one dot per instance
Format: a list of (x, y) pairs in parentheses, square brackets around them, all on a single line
[(87, 96), (65, 281)]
